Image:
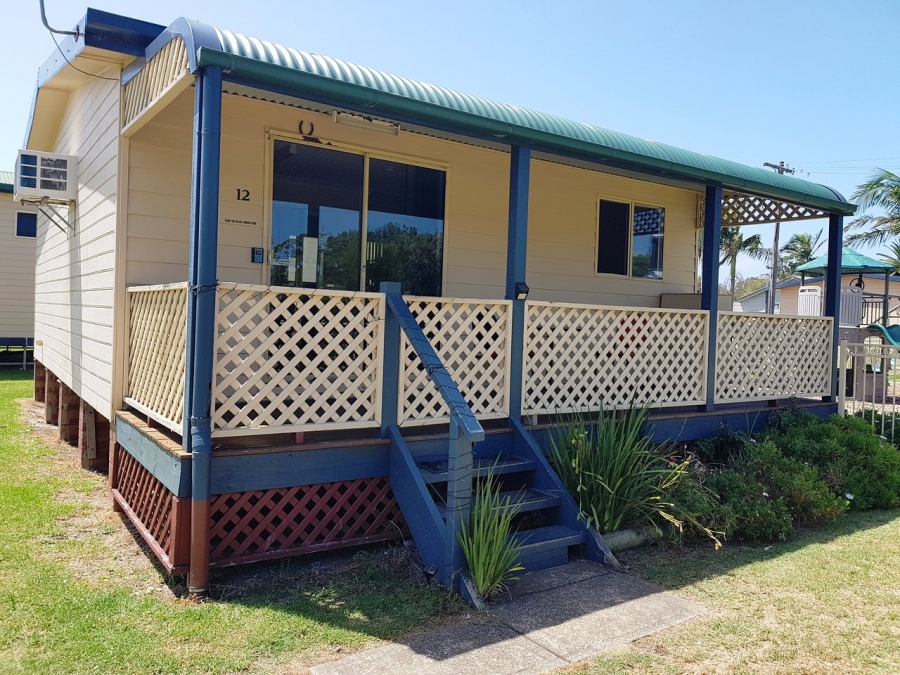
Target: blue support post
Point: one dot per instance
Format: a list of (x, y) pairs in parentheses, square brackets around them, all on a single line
[(516, 262), (709, 294), (390, 386), (833, 290), (202, 313)]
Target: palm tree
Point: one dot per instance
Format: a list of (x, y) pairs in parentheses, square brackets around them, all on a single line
[(800, 249), (881, 190), (892, 257), (732, 244)]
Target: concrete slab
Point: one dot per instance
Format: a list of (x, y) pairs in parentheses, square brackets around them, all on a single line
[(549, 619), (471, 648)]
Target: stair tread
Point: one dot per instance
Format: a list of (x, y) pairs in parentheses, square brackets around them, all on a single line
[(551, 536), (435, 471), (528, 499)]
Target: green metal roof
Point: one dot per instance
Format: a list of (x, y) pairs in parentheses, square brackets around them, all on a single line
[(852, 262), (251, 60), (7, 181)]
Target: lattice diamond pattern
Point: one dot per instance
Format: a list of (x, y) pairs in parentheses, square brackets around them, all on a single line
[(156, 352), (472, 339), (297, 359), (312, 516), (150, 500), (763, 357), (580, 357), (743, 209)]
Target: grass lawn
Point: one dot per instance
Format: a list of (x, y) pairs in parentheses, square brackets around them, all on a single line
[(77, 595), (827, 601)]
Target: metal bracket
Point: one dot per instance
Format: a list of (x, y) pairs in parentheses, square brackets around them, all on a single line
[(65, 224)]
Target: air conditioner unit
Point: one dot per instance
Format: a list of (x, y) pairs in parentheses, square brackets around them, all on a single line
[(46, 177)]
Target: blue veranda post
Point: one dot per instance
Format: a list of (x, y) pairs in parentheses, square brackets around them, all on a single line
[(202, 313)]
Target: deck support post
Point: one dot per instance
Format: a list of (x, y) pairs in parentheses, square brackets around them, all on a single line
[(516, 267), (202, 314), (709, 294), (833, 290), (459, 496)]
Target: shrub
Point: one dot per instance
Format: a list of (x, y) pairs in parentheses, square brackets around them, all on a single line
[(493, 557), (726, 448), (613, 472), (747, 512)]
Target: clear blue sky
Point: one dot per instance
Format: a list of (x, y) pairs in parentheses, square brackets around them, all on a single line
[(812, 83)]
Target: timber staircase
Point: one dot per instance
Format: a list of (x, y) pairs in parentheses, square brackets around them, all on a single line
[(432, 476)]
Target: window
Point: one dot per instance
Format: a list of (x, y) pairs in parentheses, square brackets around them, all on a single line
[(630, 239), (319, 223), (26, 224)]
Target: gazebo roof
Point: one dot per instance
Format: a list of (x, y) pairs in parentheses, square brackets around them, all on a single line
[(852, 262)]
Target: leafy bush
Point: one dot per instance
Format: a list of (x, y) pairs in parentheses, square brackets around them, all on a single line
[(849, 456), (493, 557), (613, 472), (748, 511), (726, 448)]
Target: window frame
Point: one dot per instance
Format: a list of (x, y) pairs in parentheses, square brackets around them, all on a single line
[(16, 224), (368, 154), (631, 204)]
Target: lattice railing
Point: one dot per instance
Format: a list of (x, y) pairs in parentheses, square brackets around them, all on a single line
[(760, 357), (157, 331), (472, 339), (582, 357), (154, 79), (744, 209), (291, 360)]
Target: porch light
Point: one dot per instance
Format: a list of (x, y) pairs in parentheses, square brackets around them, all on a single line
[(521, 290), (365, 123)]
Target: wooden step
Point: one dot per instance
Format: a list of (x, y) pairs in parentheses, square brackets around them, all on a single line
[(434, 470), (528, 499), (545, 547)]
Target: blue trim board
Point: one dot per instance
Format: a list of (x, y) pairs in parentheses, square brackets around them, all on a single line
[(16, 342), (241, 472), (173, 472)]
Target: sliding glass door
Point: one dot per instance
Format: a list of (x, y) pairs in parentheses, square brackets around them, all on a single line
[(319, 224)]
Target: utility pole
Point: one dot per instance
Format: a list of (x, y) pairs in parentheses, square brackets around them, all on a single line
[(781, 168)]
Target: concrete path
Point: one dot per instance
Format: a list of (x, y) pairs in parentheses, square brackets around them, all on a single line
[(550, 619)]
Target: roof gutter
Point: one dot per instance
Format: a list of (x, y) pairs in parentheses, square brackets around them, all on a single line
[(391, 104)]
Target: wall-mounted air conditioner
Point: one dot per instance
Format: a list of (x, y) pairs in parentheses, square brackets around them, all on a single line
[(46, 177)]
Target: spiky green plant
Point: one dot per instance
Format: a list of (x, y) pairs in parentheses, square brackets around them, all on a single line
[(613, 471), (492, 555)]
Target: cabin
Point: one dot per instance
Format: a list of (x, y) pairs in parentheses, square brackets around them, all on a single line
[(301, 304), (18, 228)]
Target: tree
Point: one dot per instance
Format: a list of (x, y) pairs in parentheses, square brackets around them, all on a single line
[(744, 286), (800, 249), (892, 257), (882, 191), (732, 244)]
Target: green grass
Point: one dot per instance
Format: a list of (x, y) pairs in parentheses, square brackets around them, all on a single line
[(54, 618), (827, 601)]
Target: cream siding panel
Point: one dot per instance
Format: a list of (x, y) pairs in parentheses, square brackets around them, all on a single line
[(75, 276), (563, 208), (17, 256)]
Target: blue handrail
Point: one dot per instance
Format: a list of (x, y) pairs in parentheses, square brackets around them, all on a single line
[(460, 411)]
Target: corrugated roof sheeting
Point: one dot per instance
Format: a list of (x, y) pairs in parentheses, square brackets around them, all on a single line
[(523, 124)]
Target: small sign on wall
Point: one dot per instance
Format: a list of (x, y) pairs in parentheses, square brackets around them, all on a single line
[(310, 259)]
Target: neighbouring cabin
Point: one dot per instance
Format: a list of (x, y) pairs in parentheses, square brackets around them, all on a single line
[(18, 232), (318, 301)]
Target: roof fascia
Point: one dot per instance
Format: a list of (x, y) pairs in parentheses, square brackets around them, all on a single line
[(308, 85)]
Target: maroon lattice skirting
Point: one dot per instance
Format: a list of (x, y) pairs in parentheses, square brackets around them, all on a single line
[(260, 524)]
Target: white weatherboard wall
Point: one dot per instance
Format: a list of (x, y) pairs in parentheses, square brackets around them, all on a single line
[(16, 273), (563, 207), (75, 276)]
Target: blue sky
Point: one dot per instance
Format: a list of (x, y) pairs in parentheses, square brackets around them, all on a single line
[(813, 83)]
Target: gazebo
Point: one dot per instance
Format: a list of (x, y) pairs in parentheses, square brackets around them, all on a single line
[(853, 262)]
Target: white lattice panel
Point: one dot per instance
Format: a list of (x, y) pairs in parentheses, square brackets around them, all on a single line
[(292, 360), (760, 357), (582, 357), (157, 330), (154, 79), (472, 339)]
